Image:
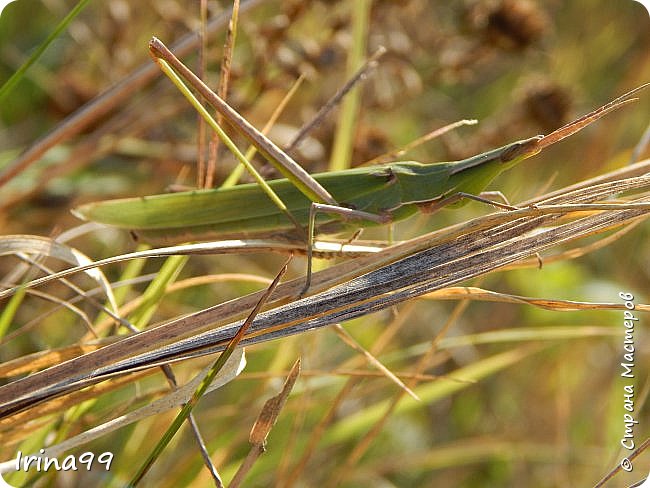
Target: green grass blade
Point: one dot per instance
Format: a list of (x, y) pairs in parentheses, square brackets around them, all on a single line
[(16, 77), (236, 174), (9, 312), (132, 270), (205, 383), (274, 155), (345, 130), (441, 388), (156, 290), (171, 74)]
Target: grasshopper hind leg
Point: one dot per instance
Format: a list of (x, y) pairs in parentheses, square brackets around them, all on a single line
[(347, 214)]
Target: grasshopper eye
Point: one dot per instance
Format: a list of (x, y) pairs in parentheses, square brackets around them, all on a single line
[(525, 148)]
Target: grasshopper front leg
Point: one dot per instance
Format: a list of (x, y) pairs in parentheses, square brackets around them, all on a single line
[(440, 203), (435, 205)]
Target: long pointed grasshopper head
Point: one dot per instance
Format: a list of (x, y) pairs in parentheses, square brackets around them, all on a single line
[(512, 154)]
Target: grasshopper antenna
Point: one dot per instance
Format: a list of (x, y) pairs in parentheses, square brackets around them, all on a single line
[(582, 122)]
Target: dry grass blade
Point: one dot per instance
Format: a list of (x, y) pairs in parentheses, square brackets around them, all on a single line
[(321, 248), (368, 284), (44, 246), (236, 174), (474, 293), (102, 104), (207, 180), (287, 166), (25, 246), (576, 252), (176, 398), (399, 152), (328, 106), (205, 382), (644, 445), (264, 423), (350, 341), (30, 363)]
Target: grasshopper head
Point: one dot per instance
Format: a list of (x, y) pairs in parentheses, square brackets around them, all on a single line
[(521, 149)]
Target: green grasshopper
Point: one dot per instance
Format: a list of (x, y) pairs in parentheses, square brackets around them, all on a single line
[(373, 195)]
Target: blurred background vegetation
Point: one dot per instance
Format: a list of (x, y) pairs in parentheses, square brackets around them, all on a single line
[(520, 67)]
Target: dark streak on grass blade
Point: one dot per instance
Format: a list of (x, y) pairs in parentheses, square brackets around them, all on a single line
[(367, 285)]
